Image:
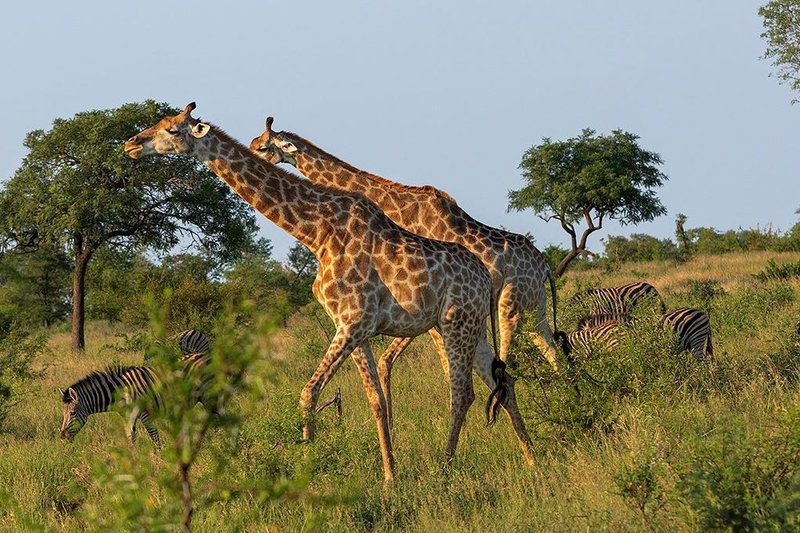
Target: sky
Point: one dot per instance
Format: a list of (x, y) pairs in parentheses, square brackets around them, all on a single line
[(448, 93)]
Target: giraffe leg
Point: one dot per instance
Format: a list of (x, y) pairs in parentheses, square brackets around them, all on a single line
[(508, 319), (459, 344), (511, 314), (483, 367), (369, 376), (385, 365), (341, 346)]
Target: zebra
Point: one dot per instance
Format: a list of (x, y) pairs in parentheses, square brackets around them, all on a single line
[(100, 390), (693, 330), (605, 335), (691, 326), (190, 341), (618, 301)]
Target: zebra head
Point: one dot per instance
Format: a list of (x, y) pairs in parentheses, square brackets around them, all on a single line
[(75, 414)]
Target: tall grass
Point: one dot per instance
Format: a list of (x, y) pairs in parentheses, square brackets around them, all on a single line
[(659, 442)]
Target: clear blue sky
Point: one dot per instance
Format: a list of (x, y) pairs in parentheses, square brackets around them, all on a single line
[(449, 93)]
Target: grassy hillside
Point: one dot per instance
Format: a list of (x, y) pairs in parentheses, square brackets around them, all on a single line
[(662, 442)]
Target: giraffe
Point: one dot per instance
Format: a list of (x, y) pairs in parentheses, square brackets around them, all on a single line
[(373, 278), (518, 269)]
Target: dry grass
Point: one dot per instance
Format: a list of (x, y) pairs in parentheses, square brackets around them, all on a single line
[(730, 270)]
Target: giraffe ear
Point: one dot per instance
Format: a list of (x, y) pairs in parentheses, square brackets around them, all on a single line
[(286, 147), (200, 129)]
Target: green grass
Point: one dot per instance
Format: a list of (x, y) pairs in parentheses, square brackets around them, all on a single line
[(671, 444)]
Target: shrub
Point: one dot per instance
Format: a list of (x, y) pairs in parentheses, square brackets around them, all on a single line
[(18, 349), (744, 479), (778, 272)]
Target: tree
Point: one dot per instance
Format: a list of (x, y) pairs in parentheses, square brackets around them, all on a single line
[(34, 286), (589, 178), (782, 33), (77, 186)]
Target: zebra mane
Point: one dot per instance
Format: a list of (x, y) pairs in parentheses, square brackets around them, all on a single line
[(115, 370)]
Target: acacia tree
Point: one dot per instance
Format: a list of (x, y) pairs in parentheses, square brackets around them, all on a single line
[(589, 178), (782, 33), (77, 186)]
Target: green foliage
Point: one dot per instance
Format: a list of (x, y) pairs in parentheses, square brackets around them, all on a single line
[(34, 286), (18, 349), (774, 271), (185, 426), (590, 178), (782, 33), (608, 174), (746, 479), (76, 179), (639, 484), (701, 294), (639, 247), (77, 188)]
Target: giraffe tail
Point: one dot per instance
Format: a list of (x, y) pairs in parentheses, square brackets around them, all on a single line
[(552, 296), (498, 394)]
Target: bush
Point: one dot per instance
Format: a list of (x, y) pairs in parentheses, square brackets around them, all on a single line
[(778, 272), (18, 349), (744, 479)]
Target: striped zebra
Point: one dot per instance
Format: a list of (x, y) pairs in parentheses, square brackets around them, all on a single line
[(691, 326), (584, 341), (190, 341), (100, 390), (618, 301), (693, 330)]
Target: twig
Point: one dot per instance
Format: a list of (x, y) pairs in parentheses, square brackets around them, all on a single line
[(337, 399)]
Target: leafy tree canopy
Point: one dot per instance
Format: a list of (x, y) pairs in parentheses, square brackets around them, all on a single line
[(590, 178), (782, 33), (76, 180)]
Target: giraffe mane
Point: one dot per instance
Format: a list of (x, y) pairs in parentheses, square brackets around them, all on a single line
[(427, 189)]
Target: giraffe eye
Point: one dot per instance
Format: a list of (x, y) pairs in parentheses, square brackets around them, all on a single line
[(173, 132)]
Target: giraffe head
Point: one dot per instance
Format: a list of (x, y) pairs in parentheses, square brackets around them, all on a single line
[(273, 146), (178, 134)]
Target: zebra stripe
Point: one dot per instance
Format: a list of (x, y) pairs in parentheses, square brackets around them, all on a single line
[(693, 329), (584, 341), (98, 392), (691, 326), (618, 301), (192, 341)]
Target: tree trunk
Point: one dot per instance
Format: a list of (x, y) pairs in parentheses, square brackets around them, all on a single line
[(562, 266), (82, 257)]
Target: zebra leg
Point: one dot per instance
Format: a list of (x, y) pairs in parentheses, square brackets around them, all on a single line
[(131, 429), (151, 430)]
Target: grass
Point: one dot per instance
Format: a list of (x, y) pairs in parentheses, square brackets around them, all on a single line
[(674, 444)]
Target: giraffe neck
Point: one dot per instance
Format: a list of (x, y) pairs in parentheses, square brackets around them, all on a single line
[(289, 201), (438, 215), (325, 170)]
